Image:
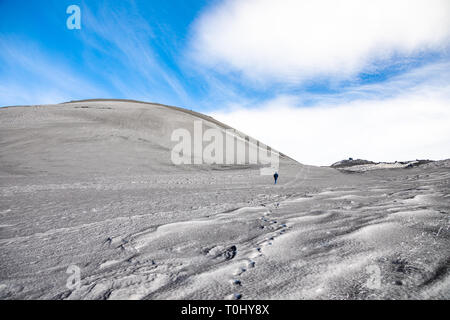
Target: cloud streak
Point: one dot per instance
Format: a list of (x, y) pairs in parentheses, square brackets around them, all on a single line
[(128, 39)]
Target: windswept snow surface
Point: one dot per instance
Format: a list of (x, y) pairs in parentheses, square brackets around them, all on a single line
[(90, 184)]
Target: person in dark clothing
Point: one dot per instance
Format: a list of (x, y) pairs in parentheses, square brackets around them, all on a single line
[(275, 177)]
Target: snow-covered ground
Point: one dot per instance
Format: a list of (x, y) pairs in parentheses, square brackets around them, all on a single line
[(355, 166), (91, 185)]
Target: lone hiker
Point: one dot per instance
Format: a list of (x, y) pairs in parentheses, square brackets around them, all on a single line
[(275, 177)]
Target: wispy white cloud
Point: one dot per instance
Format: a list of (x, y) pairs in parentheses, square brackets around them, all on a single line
[(125, 36), (418, 80), (291, 40), (34, 77)]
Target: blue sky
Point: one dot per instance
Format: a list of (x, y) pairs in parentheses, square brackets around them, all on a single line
[(123, 50), (244, 60)]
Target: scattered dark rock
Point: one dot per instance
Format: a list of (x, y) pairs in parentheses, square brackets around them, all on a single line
[(417, 163), (230, 253)]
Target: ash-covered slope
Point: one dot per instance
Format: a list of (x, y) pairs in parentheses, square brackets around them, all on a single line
[(98, 136)]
